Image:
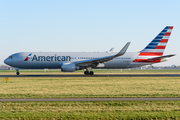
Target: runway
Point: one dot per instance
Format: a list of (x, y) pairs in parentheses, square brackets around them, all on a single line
[(87, 99), (98, 75)]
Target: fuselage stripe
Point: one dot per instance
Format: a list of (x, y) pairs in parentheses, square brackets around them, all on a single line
[(146, 60)]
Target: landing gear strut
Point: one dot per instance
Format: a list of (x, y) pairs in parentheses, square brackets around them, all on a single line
[(17, 72), (88, 73)]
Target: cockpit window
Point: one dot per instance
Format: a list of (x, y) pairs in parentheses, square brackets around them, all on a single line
[(11, 57)]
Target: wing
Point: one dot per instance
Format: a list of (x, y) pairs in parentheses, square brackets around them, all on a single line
[(95, 62)]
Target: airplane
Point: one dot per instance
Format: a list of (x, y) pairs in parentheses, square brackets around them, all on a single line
[(72, 61), (110, 51)]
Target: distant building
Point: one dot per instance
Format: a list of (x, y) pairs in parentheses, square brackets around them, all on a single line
[(6, 67)]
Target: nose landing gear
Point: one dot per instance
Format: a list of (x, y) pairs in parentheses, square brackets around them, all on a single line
[(17, 72)]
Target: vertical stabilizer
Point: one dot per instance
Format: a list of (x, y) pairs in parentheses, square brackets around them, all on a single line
[(158, 44)]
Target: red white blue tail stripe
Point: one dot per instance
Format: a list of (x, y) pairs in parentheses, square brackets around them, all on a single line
[(158, 44), (156, 47)]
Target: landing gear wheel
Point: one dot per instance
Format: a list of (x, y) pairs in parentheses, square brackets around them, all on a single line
[(91, 73), (17, 73), (86, 72)]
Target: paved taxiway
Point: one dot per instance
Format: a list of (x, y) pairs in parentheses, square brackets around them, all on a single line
[(98, 75), (88, 99)]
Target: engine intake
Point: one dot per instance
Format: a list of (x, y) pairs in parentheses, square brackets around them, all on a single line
[(69, 67)]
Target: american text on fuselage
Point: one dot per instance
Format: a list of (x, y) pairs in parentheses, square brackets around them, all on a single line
[(51, 58)]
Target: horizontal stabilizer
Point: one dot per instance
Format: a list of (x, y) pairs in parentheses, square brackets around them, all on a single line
[(166, 56)]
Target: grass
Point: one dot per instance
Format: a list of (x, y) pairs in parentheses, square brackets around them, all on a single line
[(42, 72), (80, 87), (90, 87), (91, 110)]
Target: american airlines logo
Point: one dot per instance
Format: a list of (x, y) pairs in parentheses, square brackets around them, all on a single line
[(51, 58), (27, 58)]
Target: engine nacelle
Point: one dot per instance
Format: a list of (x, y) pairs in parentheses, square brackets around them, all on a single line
[(69, 67)]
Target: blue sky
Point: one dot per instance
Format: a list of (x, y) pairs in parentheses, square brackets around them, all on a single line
[(86, 25)]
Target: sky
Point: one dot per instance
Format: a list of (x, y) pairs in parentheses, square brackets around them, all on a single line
[(87, 25)]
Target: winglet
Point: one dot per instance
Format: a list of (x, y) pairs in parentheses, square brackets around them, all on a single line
[(123, 50)]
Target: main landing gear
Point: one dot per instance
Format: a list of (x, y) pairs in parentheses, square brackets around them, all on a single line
[(17, 72), (88, 72)]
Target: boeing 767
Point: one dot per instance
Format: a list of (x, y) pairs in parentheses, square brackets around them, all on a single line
[(71, 61)]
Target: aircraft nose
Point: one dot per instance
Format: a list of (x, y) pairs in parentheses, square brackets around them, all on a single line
[(7, 61)]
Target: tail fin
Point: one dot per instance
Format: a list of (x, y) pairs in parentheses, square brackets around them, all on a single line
[(158, 44)]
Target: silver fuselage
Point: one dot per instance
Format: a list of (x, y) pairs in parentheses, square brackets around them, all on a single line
[(53, 60)]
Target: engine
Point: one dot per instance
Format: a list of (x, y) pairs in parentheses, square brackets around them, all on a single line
[(69, 67)]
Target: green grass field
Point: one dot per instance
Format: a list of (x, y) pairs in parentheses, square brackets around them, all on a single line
[(42, 72), (78, 87), (91, 110), (69, 87)]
